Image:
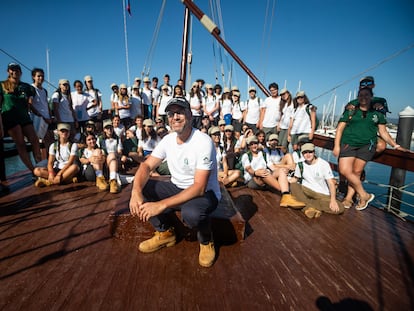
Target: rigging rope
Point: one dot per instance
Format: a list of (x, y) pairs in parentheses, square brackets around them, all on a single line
[(366, 70), (148, 61), (24, 66)]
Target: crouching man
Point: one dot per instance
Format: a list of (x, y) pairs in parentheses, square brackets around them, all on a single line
[(193, 189)]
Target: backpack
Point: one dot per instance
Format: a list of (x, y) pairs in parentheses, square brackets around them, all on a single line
[(300, 164), (316, 117), (239, 164)]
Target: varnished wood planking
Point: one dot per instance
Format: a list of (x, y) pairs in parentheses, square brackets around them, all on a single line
[(61, 256)]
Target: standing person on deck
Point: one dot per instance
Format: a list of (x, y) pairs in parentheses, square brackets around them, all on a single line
[(95, 109), (40, 106), (252, 113), (303, 119), (377, 103), (147, 99), (286, 103), (80, 103), (15, 98), (197, 101), (193, 189), (270, 111), (355, 145), (63, 108)]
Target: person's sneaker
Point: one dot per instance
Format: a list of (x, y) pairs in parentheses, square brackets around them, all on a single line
[(207, 255), (158, 241), (113, 186), (42, 182), (101, 183), (312, 212), (289, 200)]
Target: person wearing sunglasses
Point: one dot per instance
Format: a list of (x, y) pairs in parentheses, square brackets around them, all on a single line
[(258, 176), (193, 188), (317, 186)]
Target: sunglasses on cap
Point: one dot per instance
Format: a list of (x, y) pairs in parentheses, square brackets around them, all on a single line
[(366, 83)]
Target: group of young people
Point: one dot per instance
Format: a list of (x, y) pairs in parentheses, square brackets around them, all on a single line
[(265, 144)]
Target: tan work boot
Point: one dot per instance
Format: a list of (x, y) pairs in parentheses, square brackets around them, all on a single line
[(113, 186), (42, 182), (158, 241), (101, 183), (289, 200), (207, 255), (312, 212)]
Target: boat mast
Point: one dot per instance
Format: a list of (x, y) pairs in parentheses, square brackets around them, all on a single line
[(215, 32), (184, 51)]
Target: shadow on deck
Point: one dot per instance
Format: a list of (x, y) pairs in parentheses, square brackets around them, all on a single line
[(57, 252)]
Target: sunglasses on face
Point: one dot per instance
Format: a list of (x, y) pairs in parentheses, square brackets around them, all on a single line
[(253, 143), (171, 114)]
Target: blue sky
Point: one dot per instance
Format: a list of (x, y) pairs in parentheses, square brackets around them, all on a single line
[(321, 43)]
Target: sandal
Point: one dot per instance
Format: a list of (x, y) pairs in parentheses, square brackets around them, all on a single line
[(347, 203), (363, 204)]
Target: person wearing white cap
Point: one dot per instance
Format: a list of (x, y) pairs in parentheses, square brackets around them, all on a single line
[(123, 106), (163, 100), (15, 99), (61, 165), (252, 113), (211, 105), (147, 99), (197, 101), (257, 174), (62, 106), (303, 119), (136, 102), (317, 186), (193, 187), (95, 109)]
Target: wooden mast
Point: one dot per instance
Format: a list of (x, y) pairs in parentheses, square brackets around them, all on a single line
[(213, 29), (184, 51)]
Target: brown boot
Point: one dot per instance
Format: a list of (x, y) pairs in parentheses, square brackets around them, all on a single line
[(312, 212), (289, 200), (158, 241), (42, 182), (113, 186), (207, 255), (101, 183)]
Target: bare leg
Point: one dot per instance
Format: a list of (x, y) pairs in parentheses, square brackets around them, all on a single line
[(29, 132), (16, 134)]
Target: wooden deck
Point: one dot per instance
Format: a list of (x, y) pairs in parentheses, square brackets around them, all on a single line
[(57, 253)]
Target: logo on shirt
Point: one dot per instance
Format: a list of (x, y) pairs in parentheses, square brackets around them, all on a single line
[(206, 160)]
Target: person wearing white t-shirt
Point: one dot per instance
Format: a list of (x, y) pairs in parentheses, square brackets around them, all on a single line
[(257, 174), (163, 100), (147, 99), (193, 188), (252, 113), (80, 102), (318, 187), (303, 119), (40, 107), (270, 111), (211, 106)]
